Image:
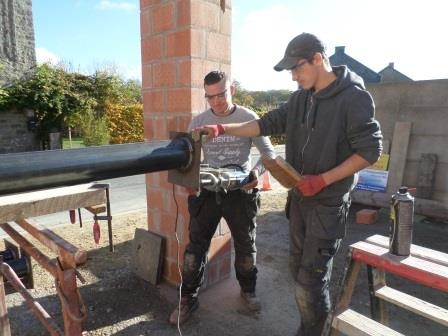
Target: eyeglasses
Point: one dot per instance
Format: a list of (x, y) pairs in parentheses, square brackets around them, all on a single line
[(297, 67), (218, 95)]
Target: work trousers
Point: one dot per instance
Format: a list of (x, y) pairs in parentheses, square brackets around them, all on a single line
[(239, 209), (316, 231)]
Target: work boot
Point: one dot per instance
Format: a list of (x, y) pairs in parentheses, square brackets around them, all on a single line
[(251, 301), (187, 306)]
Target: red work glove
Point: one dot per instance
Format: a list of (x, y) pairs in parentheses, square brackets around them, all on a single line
[(214, 130), (310, 185)]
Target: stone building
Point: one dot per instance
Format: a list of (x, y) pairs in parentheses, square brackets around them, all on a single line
[(17, 61)]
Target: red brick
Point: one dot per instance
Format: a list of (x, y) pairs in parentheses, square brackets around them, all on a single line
[(144, 23), (211, 276), (218, 46), (154, 219), (148, 3), (179, 100), (366, 216), (164, 75), (163, 18), (225, 267), (151, 48), (153, 102), (205, 15), (219, 246), (178, 44)]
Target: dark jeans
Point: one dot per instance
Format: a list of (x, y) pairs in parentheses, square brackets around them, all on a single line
[(316, 231), (239, 209)]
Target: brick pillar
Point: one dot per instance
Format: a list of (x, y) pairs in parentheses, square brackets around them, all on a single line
[(181, 41)]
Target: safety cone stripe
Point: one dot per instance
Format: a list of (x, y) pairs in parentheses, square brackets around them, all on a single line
[(266, 178)]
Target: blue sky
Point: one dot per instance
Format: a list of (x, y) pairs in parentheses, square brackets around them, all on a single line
[(95, 34)]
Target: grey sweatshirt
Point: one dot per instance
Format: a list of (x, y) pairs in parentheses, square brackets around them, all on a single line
[(229, 149), (324, 129)]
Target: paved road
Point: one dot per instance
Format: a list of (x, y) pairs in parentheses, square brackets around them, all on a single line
[(127, 194)]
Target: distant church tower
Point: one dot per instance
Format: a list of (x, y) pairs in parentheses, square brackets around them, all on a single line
[(17, 48)]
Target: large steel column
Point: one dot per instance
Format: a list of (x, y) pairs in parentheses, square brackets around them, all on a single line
[(29, 171)]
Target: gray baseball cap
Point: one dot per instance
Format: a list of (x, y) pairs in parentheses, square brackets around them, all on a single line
[(304, 45)]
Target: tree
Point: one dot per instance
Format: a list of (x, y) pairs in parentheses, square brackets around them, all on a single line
[(52, 94)]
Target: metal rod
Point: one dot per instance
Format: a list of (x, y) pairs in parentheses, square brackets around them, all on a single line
[(29, 171)]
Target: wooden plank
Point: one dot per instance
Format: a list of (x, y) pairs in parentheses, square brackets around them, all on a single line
[(43, 202), (5, 327), (415, 269), (282, 171), (70, 255), (354, 324), (398, 154), (426, 175), (430, 208), (96, 209), (416, 251), (411, 303), (147, 255)]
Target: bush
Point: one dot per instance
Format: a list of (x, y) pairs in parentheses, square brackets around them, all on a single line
[(125, 122), (94, 129)]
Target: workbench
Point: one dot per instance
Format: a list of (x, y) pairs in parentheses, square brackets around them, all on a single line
[(424, 266)]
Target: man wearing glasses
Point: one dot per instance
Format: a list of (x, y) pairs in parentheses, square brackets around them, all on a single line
[(331, 134), (238, 207)]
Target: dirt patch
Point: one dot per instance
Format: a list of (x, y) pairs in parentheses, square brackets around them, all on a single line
[(119, 303)]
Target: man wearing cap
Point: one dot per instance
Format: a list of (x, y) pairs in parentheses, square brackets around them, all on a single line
[(331, 134)]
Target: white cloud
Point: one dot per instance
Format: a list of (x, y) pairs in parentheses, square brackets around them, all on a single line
[(123, 5), (45, 56)]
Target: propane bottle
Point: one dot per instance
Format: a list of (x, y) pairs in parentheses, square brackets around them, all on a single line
[(401, 221)]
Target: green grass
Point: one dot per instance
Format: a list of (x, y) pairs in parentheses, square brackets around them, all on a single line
[(75, 143)]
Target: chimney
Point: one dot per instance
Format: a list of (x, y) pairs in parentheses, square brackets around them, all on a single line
[(339, 50), (391, 65)]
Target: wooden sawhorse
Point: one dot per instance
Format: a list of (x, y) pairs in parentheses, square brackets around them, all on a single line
[(424, 266), (18, 208)]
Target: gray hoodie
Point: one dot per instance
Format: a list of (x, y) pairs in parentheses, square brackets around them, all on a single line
[(324, 129)]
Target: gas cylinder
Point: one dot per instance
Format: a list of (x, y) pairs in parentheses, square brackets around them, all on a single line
[(401, 222)]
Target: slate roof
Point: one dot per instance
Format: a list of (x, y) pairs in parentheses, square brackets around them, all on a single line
[(341, 58), (389, 74)]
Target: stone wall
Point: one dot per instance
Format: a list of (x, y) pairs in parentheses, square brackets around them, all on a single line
[(17, 49), (17, 61), (14, 135), (425, 104)]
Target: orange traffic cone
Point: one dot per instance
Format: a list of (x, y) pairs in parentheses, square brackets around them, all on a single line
[(266, 181)]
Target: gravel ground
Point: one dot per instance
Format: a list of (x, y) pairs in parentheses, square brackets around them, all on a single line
[(119, 303)]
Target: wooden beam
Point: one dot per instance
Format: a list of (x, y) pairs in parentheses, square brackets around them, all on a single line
[(70, 255), (398, 154), (419, 270), (416, 250), (43, 202), (355, 324), (413, 304)]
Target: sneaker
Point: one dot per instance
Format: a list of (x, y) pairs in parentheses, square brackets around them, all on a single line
[(187, 306), (251, 300)]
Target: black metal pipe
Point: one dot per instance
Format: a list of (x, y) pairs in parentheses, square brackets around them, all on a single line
[(30, 171)]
